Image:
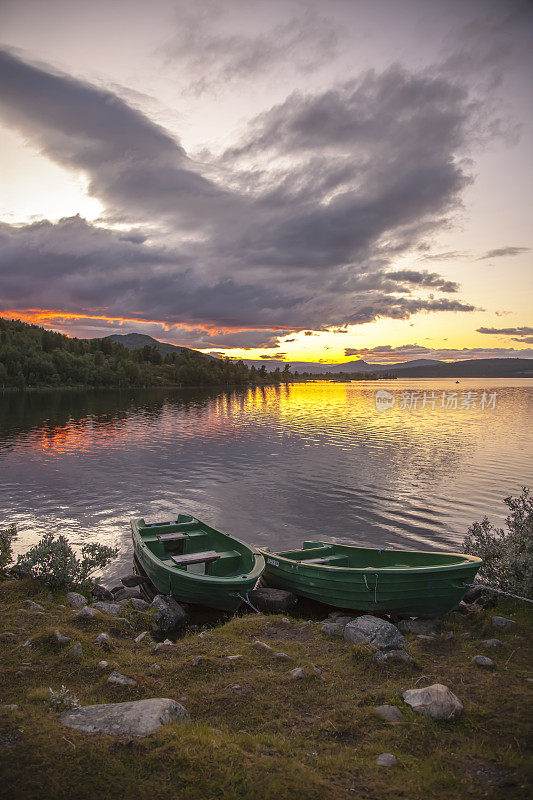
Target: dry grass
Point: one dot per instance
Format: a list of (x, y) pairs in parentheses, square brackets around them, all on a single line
[(274, 736)]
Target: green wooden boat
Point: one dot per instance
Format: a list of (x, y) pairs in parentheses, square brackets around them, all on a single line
[(195, 563), (400, 582)]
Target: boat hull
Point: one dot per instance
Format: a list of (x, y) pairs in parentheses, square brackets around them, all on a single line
[(224, 593), (421, 592)]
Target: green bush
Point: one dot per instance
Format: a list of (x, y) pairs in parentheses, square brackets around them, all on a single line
[(53, 561), (6, 538), (507, 554)]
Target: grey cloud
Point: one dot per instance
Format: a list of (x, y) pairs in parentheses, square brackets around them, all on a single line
[(519, 331), (430, 279), (390, 353), (203, 46), (504, 251)]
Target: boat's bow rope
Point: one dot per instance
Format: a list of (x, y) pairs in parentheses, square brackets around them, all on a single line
[(245, 600), (499, 591)]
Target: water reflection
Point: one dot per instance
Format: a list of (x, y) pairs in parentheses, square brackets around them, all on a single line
[(272, 465)]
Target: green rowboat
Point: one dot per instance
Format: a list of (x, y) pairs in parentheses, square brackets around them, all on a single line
[(399, 582), (196, 563)]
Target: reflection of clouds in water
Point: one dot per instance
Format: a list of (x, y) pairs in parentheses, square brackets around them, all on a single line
[(272, 465)]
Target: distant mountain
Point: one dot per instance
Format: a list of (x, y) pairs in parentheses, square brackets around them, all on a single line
[(135, 341), (348, 366), (418, 368)]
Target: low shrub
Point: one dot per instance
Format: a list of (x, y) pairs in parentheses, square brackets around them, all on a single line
[(507, 554), (6, 539), (53, 561)]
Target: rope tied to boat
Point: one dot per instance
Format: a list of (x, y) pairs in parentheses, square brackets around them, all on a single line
[(374, 588), (499, 591), (245, 600)]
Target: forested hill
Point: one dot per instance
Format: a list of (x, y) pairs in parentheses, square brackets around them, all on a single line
[(33, 356)]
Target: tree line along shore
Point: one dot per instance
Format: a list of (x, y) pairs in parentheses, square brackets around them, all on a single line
[(33, 357)]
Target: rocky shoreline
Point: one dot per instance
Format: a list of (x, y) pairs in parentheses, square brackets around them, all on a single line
[(127, 668)]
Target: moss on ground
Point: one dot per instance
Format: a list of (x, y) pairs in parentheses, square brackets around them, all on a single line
[(256, 731)]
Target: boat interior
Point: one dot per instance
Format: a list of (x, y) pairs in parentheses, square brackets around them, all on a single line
[(190, 546), (337, 555)]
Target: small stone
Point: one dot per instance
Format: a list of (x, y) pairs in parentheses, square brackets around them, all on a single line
[(87, 612), (126, 594), (135, 719), (233, 658), (262, 645), (101, 593), (33, 606), (386, 760), (273, 600), (132, 580), (393, 656), (502, 622), (196, 660), (285, 619), (121, 680), (9, 707), (483, 661), (155, 668), (332, 629), (204, 635), (102, 665), (389, 714), (75, 599), (104, 640), (140, 637), (60, 638), (75, 651), (378, 632), (418, 625), (425, 638), (435, 701), (139, 605), (297, 672), (282, 656), (491, 643), (466, 635), (108, 608)]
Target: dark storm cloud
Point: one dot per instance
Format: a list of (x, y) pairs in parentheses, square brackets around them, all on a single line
[(326, 190), (202, 47), (130, 161), (504, 251)]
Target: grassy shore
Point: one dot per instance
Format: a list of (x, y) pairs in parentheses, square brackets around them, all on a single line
[(257, 732)]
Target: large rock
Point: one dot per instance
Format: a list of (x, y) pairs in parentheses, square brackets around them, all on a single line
[(139, 605), (76, 600), (417, 625), (137, 718), (379, 633), (436, 701), (169, 616), (274, 600)]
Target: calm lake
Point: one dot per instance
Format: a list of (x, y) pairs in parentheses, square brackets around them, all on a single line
[(272, 466)]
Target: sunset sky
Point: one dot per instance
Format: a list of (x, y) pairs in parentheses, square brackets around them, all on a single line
[(300, 180)]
